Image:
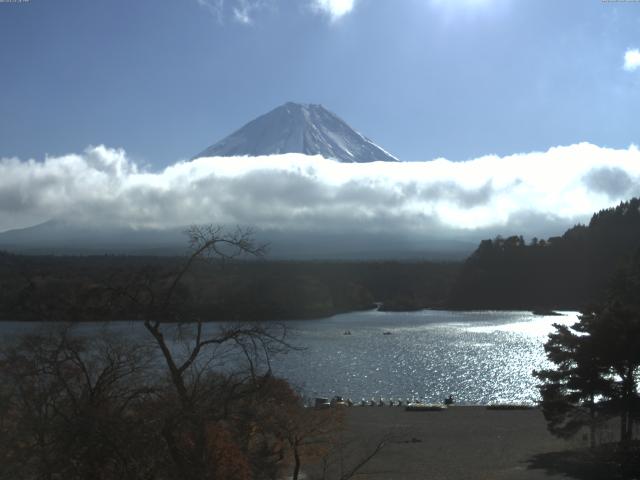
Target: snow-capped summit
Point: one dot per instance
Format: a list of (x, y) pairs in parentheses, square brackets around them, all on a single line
[(299, 128)]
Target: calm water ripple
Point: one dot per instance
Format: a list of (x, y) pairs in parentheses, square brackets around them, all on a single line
[(479, 357)]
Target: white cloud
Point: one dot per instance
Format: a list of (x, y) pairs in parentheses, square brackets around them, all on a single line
[(243, 11), (631, 59), (536, 193), (240, 10), (335, 8)]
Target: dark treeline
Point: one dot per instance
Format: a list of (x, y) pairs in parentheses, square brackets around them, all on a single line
[(569, 272), (239, 290)]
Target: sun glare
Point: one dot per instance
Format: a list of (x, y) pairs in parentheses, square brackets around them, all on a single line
[(473, 8), (462, 3)]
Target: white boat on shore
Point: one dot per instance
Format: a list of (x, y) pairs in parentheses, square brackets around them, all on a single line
[(425, 407), (510, 406)]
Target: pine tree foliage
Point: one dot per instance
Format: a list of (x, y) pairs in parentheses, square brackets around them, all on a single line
[(597, 363)]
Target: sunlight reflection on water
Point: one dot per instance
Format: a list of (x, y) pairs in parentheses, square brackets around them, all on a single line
[(479, 357)]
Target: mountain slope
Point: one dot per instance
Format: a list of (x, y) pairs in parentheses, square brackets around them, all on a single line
[(299, 128), (60, 237)]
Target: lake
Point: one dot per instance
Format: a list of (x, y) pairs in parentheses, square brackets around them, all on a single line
[(478, 357)]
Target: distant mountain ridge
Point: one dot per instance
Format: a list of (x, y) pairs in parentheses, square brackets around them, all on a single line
[(60, 237), (299, 128)]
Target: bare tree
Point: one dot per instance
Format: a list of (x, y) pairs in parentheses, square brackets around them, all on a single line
[(72, 408), (189, 349)]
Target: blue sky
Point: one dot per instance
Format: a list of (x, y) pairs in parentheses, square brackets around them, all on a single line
[(423, 78)]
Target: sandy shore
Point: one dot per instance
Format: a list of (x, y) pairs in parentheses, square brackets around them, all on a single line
[(461, 443)]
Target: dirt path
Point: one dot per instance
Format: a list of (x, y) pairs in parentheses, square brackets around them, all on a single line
[(461, 443)]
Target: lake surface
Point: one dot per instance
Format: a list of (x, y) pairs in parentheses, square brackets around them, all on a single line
[(479, 357)]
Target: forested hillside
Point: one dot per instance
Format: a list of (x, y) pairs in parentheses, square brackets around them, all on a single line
[(78, 288), (570, 271)]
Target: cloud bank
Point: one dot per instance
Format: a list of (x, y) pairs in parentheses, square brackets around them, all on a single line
[(538, 193)]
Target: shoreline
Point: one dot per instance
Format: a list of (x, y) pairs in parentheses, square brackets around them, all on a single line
[(551, 313)]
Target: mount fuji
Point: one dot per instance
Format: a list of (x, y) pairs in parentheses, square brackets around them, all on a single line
[(299, 128)]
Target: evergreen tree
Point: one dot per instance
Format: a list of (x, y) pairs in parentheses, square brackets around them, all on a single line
[(570, 391), (597, 363)]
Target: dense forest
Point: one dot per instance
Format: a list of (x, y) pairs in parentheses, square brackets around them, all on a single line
[(72, 288), (569, 272)]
